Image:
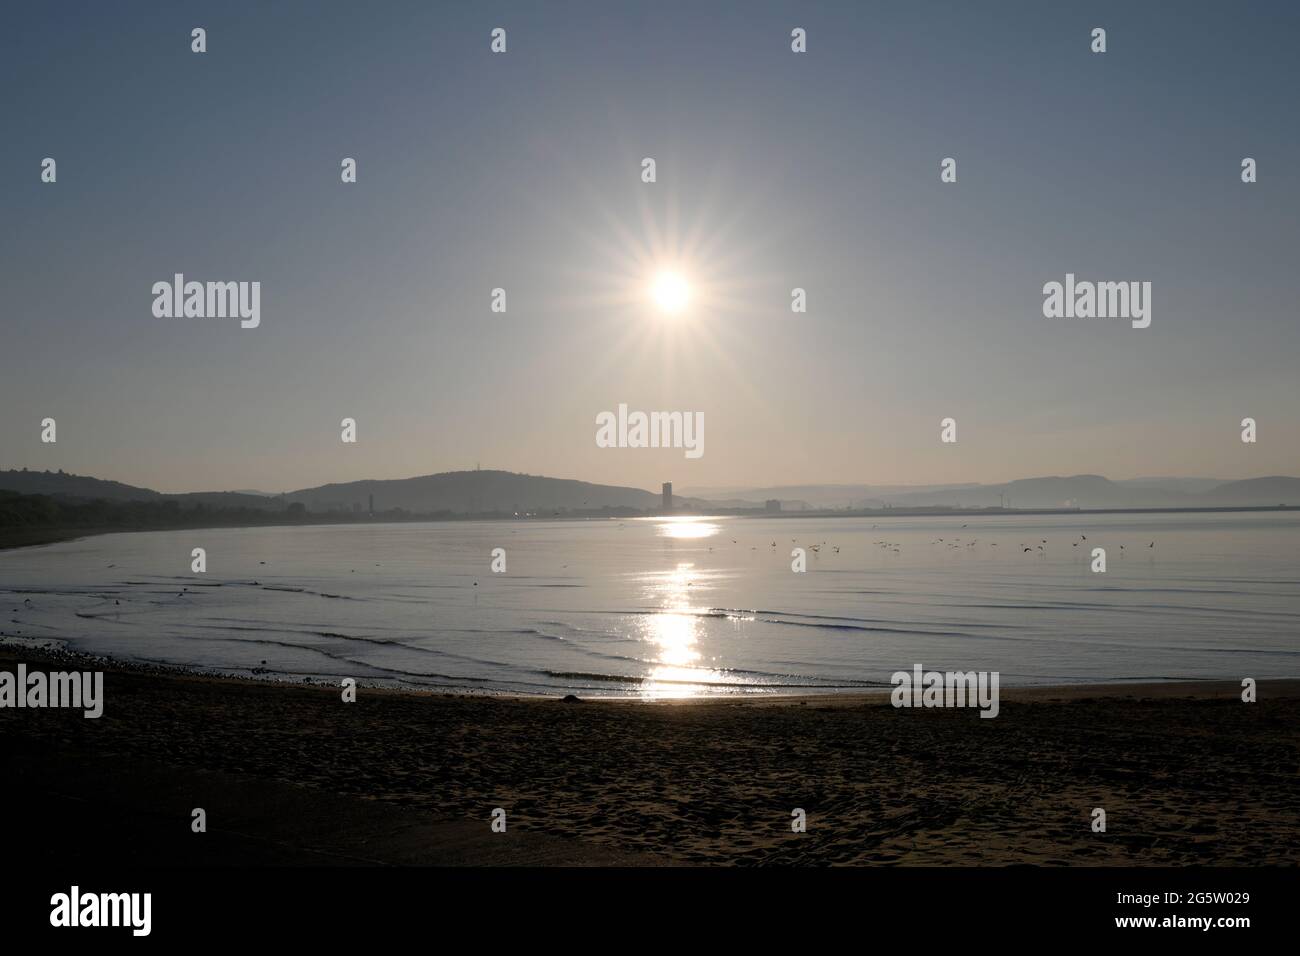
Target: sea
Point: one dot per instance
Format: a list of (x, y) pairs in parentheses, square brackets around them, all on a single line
[(690, 606)]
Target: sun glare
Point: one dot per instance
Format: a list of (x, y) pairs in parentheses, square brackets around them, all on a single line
[(671, 292)]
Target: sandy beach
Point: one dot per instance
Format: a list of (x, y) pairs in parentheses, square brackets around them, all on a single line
[(289, 774)]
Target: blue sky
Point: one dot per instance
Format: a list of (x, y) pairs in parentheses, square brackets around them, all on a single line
[(522, 171)]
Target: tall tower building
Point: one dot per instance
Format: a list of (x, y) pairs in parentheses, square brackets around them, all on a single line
[(668, 496)]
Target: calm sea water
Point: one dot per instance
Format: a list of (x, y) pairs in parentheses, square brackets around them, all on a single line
[(681, 607)]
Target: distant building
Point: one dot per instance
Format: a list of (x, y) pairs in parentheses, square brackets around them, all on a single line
[(772, 504), (372, 504), (668, 496)]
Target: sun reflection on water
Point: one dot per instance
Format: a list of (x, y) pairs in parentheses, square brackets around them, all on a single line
[(674, 630), (686, 527)]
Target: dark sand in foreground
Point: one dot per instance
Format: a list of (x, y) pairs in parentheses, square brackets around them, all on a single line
[(289, 774)]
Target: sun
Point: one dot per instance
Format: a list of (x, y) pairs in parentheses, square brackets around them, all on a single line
[(671, 292)]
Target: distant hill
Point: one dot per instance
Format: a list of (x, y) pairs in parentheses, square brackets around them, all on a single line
[(1072, 491), (58, 484), (802, 497), (229, 499), (1081, 491), (1095, 491), (1189, 485), (458, 492), (504, 492), (1085, 491), (1277, 490), (475, 492)]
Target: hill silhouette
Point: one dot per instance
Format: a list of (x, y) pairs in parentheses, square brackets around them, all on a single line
[(475, 492), (507, 493)]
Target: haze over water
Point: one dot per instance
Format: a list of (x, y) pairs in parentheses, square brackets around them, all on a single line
[(675, 607)]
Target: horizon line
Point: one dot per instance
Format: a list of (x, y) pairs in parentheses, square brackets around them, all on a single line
[(724, 489)]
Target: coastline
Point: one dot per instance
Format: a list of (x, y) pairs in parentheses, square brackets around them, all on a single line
[(15, 538), (50, 653), (288, 774)]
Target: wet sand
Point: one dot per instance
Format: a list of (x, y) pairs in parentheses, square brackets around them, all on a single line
[(289, 774)]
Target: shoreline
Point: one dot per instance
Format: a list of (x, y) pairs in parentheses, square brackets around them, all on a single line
[(30, 649), (17, 538)]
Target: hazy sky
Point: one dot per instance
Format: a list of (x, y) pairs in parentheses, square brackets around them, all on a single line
[(522, 171)]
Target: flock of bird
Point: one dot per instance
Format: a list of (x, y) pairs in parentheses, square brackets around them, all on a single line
[(954, 544)]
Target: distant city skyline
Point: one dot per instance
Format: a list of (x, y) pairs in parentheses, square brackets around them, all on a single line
[(774, 171)]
